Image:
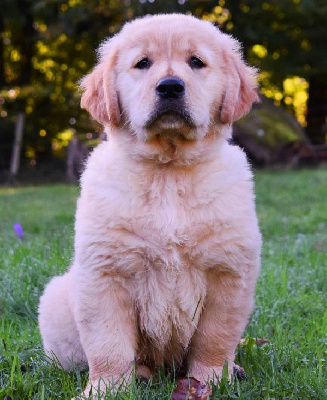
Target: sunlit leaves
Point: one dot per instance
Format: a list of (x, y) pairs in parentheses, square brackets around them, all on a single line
[(259, 50), (219, 16), (293, 94), (296, 94)]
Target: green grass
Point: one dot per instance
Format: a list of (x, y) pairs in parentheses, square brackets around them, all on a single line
[(290, 308)]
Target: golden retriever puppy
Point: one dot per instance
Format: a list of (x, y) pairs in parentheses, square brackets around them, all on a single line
[(167, 245)]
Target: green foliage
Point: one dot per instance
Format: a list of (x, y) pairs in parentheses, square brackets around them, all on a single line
[(288, 39), (290, 300), (59, 50), (292, 32), (48, 45)]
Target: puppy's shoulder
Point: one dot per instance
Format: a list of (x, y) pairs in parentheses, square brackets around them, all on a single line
[(234, 162), (100, 165)]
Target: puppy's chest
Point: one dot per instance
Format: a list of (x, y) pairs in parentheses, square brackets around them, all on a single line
[(175, 225), (169, 286), (169, 305)]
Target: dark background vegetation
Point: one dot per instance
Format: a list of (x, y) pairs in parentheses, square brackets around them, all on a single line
[(46, 46)]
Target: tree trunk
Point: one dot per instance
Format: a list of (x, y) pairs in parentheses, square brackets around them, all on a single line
[(26, 44), (2, 64), (317, 110), (17, 148)]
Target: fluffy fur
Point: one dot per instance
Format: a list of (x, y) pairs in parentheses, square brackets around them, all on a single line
[(167, 245)]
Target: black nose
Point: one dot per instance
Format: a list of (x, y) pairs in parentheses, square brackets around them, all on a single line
[(170, 88)]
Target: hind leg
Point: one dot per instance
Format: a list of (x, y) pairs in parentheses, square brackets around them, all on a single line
[(57, 326)]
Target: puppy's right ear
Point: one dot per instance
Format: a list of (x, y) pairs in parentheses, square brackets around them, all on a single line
[(99, 96), (240, 92)]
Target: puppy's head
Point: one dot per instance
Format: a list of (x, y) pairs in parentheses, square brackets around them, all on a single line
[(170, 76)]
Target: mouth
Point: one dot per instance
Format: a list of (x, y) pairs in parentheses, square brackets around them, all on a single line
[(170, 118)]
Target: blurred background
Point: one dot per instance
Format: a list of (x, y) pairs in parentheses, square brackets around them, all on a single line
[(46, 46)]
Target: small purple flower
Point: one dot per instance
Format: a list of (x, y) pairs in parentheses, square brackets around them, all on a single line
[(19, 230)]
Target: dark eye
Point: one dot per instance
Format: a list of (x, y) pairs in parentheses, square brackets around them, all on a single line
[(196, 62), (144, 63)]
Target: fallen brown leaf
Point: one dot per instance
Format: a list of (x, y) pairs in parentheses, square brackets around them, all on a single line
[(190, 389)]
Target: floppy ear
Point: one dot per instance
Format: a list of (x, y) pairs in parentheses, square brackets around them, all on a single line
[(99, 93), (240, 91)]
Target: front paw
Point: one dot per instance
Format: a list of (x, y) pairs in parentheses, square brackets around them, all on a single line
[(93, 391), (208, 374), (99, 389)]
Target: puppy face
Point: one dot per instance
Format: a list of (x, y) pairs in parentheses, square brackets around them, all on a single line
[(171, 76)]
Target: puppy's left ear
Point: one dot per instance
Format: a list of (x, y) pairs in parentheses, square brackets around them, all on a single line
[(241, 88)]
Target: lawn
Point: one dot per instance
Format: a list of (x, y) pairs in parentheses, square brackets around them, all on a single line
[(290, 308)]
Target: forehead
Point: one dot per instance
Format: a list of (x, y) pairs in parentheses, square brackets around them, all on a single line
[(169, 34)]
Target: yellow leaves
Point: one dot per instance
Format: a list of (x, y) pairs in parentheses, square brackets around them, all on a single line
[(267, 92), (288, 100), (40, 27), (30, 152), (43, 132), (14, 55), (48, 63), (278, 96), (294, 94), (73, 3), (29, 105), (52, 70), (219, 15), (62, 139), (293, 84), (302, 97), (70, 4), (259, 50), (42, 48), (57, 96), (289, 85), (62, 38), (218, 10), (66, 135), (296, 90), (305, 45), (82, 64), (45, 67)]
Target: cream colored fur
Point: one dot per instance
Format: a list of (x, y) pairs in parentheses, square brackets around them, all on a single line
[(167, 245)]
